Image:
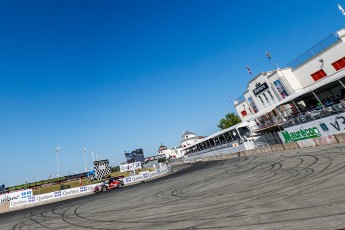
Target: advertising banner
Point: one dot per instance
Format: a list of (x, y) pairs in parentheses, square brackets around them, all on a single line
[(146, 175), (319, 128), (16, 195), (25, 197), (130, 167)]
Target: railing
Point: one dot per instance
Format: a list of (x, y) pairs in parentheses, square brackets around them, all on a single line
[(239, 100), (318, 48), (315, 115)]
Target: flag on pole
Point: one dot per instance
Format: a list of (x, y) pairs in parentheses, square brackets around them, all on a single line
[(249, 71), (341, 9), (268, 55)]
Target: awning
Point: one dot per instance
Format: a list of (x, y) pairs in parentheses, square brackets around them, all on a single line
[(332, 78), (242, 124)]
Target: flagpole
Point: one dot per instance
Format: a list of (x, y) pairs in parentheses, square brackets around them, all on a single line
[(269, 57), (341, 9)]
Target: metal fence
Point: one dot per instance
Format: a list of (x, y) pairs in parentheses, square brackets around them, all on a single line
[(315, 115)]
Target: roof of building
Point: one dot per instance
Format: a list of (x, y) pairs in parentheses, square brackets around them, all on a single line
[(187, 133), (162, 147), (242, 124)]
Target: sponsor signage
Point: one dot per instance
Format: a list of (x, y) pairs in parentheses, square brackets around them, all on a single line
[(146, 175), (319, 128), (16, 195), (301, 134), (19, 202), (25, 197), (260, 88), (130, 167), (43, 197)]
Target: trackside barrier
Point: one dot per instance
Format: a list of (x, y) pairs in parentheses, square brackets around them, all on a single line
[(340, 137), (277, 147), (4, 206), (32, 200), (15, 195), (266, 149), (306, 143), (242, 154), (256, 151), (146, 175), (83, 190), (326, 140), (291, 145), (248, 152)]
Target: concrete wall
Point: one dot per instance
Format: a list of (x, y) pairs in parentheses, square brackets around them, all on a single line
[(306, 143), (326, 140), (277, 147), (289, 146), (340, 137), (266, 149)]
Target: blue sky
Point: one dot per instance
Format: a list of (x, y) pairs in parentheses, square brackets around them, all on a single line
[(113, 76)]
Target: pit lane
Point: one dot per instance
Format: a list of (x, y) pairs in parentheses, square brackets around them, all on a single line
[(300, 189)]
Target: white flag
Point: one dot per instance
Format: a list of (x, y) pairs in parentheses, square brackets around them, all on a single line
[(341, 9)]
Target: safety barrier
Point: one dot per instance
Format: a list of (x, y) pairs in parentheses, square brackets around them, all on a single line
[(326, 140), (30, 200), (291, 145), (266, 149), (248, 152), (277, 147), (306, 143), (340, 137), (256, 151)]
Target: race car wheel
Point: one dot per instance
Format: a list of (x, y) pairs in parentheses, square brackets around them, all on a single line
[(119, 186), (104, 189)]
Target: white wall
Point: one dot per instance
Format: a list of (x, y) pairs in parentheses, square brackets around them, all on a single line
[(243, 106), (328, 56), (267, 100)]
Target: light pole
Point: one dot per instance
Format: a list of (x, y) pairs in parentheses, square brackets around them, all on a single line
[(39, 186), (84, 150), (57, 158)]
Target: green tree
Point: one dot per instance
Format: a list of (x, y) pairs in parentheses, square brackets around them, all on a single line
[(229, 120)]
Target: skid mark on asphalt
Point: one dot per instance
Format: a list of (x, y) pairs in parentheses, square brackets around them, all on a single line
[(304, 190)]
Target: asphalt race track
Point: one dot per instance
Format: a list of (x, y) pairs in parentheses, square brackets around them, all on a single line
[(284, 190)]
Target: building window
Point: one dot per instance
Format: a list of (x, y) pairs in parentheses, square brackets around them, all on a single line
[(244, 113), (318, 75), (340, 64), (266, 97), (262, 101), (281, 89), (252, 104), (269, 93)]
